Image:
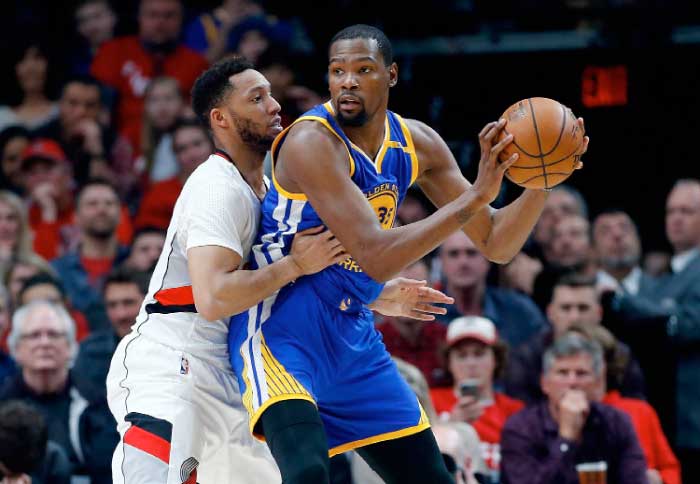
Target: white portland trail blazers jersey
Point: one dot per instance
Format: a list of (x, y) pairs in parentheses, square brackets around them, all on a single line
[(216, 207)]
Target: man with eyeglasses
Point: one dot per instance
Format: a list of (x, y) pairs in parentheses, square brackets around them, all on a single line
[(42, 342), (465, 271)]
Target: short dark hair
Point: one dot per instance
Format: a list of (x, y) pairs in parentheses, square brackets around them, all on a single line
[(574, 279), (182, 123), (125, 275), (92, 182), (364, 31), (149, 229), (214, 84), (39, 279), (23, 436), (84, 79)]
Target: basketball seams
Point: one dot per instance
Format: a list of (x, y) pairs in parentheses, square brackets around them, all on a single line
[(539, 142), (561, 132), (551, 163)]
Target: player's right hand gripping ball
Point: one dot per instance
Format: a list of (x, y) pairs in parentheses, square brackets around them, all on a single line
[(548, 139)]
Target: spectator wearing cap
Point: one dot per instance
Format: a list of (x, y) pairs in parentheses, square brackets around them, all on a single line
[(42, 341), (543, 443), (45, 287), (465, 272), (84, 269), (49, 184), (86, 142), (574, 300), (191, 145), (475, 359), (416, 342), (127, 64)]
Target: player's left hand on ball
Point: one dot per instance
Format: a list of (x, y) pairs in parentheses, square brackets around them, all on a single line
[(584, 147), (409, 298)]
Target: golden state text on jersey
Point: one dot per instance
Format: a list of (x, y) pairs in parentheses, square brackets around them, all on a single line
[(384, 181)]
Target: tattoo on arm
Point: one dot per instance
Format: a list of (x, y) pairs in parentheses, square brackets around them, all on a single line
[(464, 215)]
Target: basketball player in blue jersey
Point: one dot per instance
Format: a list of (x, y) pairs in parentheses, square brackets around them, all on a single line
[(315, 376)]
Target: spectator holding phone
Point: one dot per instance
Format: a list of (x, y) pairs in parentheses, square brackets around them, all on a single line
[(475, 359)]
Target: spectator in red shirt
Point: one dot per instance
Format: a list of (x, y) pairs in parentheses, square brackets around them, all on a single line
[(475, 358), (416, 342), (128, 63), (48, 179), (192, 146), (83, 270)]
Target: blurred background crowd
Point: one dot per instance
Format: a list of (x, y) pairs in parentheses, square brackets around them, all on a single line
[(600, 310)]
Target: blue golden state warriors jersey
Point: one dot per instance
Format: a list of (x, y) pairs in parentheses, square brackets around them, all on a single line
[(384, 182)]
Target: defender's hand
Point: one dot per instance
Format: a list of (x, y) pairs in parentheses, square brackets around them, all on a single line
[(315, 249), (408, 298)]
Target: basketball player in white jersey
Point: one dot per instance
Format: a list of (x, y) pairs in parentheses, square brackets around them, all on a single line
[(170, 384)]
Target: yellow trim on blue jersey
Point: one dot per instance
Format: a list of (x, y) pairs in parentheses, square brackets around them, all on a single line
[(281, 385), (423, 424), (411, 149), (255, 417)]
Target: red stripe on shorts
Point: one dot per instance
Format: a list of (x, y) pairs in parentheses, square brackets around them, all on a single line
[(175, 296), (149, 443)]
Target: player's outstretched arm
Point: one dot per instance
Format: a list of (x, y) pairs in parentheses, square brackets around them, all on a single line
[(314, 162), (499, 234), (221, 289)]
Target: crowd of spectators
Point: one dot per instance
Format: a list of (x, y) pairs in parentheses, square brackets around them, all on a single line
[(581, 349)]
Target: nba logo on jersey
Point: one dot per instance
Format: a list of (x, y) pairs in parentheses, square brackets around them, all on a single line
[(184, 366)]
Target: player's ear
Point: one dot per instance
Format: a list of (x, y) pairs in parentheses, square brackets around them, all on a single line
[(217, 118), (393, 74)]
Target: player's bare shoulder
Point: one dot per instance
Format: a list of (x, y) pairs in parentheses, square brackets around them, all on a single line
[(309, 143)]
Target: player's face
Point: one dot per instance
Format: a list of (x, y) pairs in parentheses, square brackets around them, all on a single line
[(252, 111), (616, 240), (358, 80)]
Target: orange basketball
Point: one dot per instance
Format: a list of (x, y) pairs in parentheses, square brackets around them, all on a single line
[(547, 138)]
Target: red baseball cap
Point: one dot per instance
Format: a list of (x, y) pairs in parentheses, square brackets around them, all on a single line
[(471, 327), (43, 149)]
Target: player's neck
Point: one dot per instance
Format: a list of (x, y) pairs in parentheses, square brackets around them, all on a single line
[(249, 164), (369, 137)]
